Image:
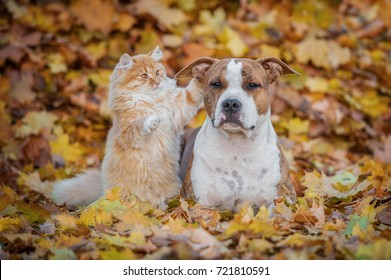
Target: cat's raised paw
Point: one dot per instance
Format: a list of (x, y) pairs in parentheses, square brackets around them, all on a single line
[(151, 123)]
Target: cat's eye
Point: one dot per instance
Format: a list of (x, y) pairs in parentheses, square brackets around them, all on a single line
[(216, 84), (253, 85), (157, 73), (144, 76)]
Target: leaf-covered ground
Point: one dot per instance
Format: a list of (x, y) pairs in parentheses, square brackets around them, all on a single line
[(334, 123)]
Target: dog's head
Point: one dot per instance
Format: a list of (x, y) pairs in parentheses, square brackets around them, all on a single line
[(236, 90)]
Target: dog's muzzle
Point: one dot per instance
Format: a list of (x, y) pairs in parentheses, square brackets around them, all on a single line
[(231, 109)]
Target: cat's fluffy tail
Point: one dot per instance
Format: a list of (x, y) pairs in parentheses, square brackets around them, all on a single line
[(81, 190)]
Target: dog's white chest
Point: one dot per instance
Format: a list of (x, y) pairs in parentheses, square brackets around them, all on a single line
[(226, 173)]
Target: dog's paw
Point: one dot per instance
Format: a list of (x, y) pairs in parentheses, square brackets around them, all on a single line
[(151, 123)]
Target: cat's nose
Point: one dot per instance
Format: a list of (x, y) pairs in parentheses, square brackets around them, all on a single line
[(156, 83)]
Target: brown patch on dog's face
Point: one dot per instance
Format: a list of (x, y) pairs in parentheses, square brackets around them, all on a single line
[(256, 83), (214, 84)]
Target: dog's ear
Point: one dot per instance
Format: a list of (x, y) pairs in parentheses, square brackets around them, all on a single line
[(196, 69), (275, 68)]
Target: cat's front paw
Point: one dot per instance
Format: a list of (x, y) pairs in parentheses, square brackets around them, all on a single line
[(151, 123)]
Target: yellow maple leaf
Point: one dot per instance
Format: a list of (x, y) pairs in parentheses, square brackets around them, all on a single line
[(97, 50), (56, 62), (92, 216), (317, 84), (117, 254), (34, 123), (322, 53), (124, 22), (66, 221), (62, 147), (210, 23), (233, 42), (259, 245), (294, 240), (296, 126)]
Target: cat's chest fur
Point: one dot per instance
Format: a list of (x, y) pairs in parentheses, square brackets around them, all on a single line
[(229, 173)]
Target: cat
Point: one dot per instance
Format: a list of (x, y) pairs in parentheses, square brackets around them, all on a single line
[(143, 144)]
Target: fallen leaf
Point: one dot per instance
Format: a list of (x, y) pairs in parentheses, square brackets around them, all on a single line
[(62, 147), (21, 87), (233, 42), (35, 123), (87, 12), (37, 150), (168, 17)]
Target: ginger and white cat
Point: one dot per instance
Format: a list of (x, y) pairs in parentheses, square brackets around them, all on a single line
[(142, 148)]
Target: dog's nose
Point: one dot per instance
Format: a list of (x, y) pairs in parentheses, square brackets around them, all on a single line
[(231, 105)]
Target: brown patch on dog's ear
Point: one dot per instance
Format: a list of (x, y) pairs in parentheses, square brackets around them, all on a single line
[(275, 68), (196, 69)]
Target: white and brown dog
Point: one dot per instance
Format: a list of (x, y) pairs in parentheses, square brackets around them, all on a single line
[(236, 157)]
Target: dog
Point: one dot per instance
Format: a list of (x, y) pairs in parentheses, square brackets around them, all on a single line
[(235, 158)]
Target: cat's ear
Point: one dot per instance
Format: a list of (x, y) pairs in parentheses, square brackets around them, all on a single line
[(196, 69), (125, 62), (156, 54)]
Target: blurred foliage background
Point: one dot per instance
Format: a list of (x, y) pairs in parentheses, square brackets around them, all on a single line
[(56, 58)]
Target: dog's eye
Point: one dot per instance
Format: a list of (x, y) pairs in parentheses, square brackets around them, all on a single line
[(216, 84), (253, 85), (144, 76)]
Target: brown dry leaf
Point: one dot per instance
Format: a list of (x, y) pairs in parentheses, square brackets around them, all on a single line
[(12, 53), (330, 110), (21, 85), (37, 150), (168, 17), (95, 14), (195, 50)]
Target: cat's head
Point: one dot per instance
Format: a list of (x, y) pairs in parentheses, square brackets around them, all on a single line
[(137, 74), (140, 72)]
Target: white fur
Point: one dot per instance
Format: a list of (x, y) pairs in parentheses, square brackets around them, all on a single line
[(234, 90), (81, 190), (151, 123)]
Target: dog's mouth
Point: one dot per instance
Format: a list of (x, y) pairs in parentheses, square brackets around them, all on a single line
[(232, 125)]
